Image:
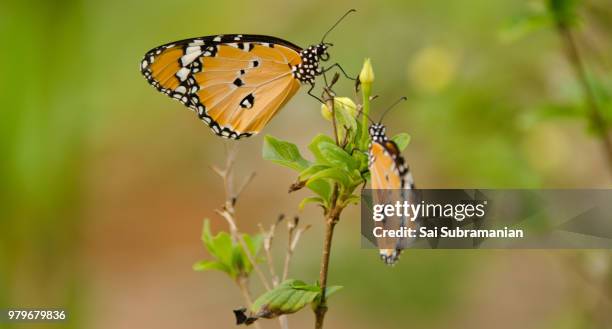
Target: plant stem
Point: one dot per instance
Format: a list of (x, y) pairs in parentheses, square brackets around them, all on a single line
[(331, 219), (598, 122), (366, 91), (322, 307), (242, 282)]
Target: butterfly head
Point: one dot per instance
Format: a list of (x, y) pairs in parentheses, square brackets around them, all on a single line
[(322, 53), (378, 132), (310, 57)]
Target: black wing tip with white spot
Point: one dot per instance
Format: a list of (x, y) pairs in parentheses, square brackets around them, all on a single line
[(392, 259)]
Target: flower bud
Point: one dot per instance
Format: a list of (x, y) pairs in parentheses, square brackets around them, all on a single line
[(366, 76), (339, 102)]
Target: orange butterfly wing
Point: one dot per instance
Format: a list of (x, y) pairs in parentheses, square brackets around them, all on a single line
[(389, 176), (383, 169), (235, 83)]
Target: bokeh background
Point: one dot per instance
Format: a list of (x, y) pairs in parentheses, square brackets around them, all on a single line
[(105, 182)]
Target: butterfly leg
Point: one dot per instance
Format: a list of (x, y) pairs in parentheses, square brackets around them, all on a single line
[(357, 81), (311, 94), (341, 70)]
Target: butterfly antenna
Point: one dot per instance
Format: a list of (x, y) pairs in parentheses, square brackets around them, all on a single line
[(364, 114), (403, 98), (336, 24), (367, 116)]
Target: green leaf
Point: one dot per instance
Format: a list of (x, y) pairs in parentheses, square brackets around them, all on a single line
[(356, 177), (312, 199), (337, 156), (322, 188), (206, 265), (331, 290), (297, 284), (229, 256), (361, 158), (283, 153), (254, 244), (314, 147), (219, 246), (338, 175), (207, 237), (223, 246), (288, 297), (401, 140), (306, 173)]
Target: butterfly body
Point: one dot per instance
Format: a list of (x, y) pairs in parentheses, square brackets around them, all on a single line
[(389, 174), (235, 83)]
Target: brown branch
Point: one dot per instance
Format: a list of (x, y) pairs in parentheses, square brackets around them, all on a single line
[(573, 56), (331, 219), (332, 216)]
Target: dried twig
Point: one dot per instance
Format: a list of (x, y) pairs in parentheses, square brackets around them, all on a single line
[(294, 234), (267, 244), (228, 211)]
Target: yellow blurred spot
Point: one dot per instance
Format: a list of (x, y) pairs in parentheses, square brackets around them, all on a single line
[(547, 148), (432, 69)]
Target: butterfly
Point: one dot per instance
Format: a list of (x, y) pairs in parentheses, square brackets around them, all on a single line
[(235, 83), (389, 175)]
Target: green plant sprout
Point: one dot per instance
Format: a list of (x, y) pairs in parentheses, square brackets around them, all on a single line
[(238, 254), (563, 17), (335, 175)]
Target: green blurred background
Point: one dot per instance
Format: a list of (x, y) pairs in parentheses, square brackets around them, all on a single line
[(105, 182)]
